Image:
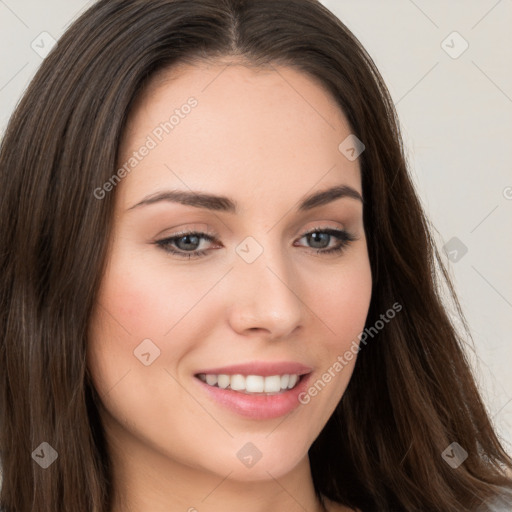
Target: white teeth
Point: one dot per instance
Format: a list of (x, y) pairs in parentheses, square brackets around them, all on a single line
[(223, 381), (237, 382), (272, 384), (252, 383), (211, 379), (292, 381)]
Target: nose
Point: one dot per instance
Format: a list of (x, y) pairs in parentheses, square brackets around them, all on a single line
[(265, 297)]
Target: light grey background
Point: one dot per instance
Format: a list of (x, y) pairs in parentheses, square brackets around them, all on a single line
[(456, 115)]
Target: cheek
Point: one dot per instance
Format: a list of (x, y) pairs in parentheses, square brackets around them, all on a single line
[(137, 303), (343, 304), (144, 298), (127, 312)]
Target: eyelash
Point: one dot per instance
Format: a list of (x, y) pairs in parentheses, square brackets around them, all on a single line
[(344, 237)]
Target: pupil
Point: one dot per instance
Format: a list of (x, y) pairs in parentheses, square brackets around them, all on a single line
[(317, 236), (194, 238)]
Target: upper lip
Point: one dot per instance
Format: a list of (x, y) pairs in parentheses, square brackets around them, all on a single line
[(265, 369)]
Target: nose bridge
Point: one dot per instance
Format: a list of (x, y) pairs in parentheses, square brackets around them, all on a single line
[(266, 295)]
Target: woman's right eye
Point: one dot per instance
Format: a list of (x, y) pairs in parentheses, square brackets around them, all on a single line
[(183, 242)]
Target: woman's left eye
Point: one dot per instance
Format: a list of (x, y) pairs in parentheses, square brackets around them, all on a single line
[(186, 244), (318, 236)]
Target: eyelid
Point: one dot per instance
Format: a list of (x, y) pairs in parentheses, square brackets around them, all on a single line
[(189, 228)]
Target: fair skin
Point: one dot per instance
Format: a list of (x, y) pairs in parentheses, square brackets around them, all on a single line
[(266, 140)]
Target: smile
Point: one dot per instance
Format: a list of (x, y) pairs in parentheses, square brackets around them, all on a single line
[(251, 384)]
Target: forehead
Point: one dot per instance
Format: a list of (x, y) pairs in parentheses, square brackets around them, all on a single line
[(267, 131)]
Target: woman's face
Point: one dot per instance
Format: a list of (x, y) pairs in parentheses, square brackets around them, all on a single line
[(250, 288)]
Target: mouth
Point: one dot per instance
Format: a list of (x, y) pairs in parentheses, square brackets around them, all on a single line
[(252, 384), (258, 391)]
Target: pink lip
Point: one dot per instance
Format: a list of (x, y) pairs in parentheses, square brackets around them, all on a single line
[(260, 368), (257, 407)]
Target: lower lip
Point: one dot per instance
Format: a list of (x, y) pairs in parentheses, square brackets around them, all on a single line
[(258, 407)]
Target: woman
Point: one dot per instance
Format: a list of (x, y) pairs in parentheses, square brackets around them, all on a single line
[(219, 286)]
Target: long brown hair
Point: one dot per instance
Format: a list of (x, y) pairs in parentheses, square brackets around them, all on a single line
[(412, 392)]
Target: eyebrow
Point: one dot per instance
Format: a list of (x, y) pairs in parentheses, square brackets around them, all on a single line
[(225, 204)]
